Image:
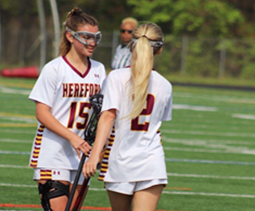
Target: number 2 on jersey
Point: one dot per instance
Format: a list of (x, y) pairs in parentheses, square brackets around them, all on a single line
[(82, 114), (145, 112)]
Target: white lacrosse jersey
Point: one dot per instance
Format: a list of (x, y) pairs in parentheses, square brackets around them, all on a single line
[(134, 152), (63, 88), (122, 57)]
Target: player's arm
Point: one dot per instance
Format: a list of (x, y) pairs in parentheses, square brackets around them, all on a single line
[(104, 127), (45, 117)]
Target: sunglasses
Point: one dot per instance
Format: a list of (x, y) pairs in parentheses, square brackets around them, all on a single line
[(124, 30)]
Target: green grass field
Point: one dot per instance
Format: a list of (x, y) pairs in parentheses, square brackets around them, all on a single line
[(209, 149)]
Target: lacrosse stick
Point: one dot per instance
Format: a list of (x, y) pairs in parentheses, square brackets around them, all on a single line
[(89, 135)]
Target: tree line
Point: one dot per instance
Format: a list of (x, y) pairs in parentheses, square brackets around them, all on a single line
[(204, 18)]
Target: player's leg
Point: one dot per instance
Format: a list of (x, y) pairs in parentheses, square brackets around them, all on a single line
[(53, 194), (53, 186), (120, 195), (147, 199), (119, 201), (80, 187), (76, 193)]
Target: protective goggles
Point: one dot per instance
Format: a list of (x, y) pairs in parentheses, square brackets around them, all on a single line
[(85, 37)]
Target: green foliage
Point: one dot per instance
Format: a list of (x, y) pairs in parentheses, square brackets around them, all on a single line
[(169, 60), (202, 57), (195, 17)]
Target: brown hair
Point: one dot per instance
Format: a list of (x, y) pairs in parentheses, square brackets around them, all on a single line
[(74, 19), (147, 41)]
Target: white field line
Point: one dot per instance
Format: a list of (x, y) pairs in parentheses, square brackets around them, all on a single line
[(227, 151), (215, 98), (35, 186), (14, 166), (209, 176), (14, 91), (244, 116), (14, 152), (227, 134), (211, 146), (18, 119), (193, 142), (209, 194), (17, 131), (15, 141), (168, 174), (164, 192), (194, 108), (209, 161)]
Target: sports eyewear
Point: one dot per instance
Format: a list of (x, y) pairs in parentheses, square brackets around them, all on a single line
[(124, 30), (85, 37)]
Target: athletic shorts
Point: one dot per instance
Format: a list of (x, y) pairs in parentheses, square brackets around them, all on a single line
[(130, 188), (57, 174)]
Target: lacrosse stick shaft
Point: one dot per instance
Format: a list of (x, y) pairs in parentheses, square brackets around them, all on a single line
[(81, 195), (77, 177)]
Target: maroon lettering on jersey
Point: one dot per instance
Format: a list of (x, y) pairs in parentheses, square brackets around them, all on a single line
[(97, 88), (86, 90), (81, 90), (135, 125), (65, 90), (91, 90), (76, 90), (70, 87)]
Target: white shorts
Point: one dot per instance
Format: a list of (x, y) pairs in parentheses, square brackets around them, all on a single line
[(57, 174), (130, 187)]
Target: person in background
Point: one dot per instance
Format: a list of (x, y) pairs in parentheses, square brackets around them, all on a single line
[(62, 94), (122, 55), (136, 101)]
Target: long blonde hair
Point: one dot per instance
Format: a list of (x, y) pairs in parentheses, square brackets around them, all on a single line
[(74, 19), (147, 41)]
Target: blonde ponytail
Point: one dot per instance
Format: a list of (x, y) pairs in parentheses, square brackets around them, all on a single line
[(147, 40), (141, 67)]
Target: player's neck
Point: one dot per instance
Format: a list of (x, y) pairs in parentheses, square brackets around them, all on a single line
[(80, 63)]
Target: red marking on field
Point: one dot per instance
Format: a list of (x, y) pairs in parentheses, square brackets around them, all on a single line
[(83, 208), (39, 206), (21, 205), (96, 208)]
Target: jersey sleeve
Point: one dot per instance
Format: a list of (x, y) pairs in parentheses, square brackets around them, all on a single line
[(167, 115), (45, 86), (103, 82), (111, 92)]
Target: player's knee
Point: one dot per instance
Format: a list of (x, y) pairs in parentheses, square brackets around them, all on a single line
[(51, 189)]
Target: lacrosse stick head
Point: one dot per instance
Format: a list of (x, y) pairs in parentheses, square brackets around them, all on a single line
[(90, 131), (96, 102)]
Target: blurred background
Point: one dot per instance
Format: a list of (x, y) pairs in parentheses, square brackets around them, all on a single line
[(204, 39)]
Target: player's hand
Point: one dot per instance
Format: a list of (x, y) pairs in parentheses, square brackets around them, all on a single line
[(80, 146), (90, 167)]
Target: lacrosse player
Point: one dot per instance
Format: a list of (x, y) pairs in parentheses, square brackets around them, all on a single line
[(122, 55), (62, 94), (136, 101)]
